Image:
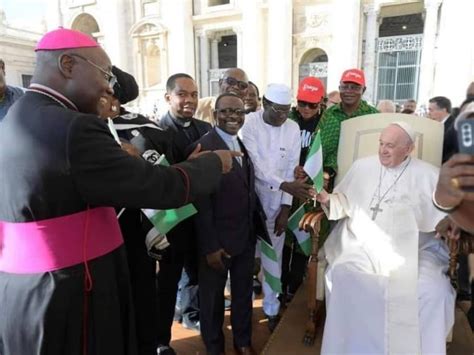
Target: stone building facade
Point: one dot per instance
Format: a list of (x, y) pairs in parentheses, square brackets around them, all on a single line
[(407, 48), (17, 51)]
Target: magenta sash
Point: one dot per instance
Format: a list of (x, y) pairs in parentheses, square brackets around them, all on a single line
[(57, 243)]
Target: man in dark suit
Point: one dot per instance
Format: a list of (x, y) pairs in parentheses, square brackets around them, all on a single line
[(184, 129), (439, 109), (226, 237)]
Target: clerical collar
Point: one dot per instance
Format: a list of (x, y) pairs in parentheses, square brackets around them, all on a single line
[(180, 121), (226, 137), (53, 94)]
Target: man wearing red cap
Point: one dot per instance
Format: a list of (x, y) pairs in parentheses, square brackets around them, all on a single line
[(351, 87), (307, 114), (64, 280)]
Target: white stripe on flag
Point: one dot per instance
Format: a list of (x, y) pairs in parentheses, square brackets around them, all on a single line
[(270, 266), (314, 163)]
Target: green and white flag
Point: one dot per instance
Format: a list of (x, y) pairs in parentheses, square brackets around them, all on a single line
[(165, 220), (270, 266), (303, 238), (314, 163)]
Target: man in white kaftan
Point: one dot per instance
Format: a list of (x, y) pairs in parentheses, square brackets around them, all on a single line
[(386, 284), (273, 143)]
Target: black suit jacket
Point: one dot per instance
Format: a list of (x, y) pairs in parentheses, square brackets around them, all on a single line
[(225, 218), (450, 141), (181, 141), (182, 237)]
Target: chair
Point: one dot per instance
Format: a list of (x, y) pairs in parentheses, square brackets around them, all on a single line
[(359, 138)]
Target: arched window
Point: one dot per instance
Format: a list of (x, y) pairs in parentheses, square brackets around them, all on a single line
[(314, 63), (150, 42), (151, 63), (87, 24)]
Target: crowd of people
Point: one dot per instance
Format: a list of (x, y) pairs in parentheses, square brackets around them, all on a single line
[(85, 269)]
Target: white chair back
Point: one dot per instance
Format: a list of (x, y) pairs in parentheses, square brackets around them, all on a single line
[(360, 138)]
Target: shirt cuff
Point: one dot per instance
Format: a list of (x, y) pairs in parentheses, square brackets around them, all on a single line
[(286, 199)]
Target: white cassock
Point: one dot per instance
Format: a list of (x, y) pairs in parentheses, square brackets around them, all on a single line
[(275, 152), (386, 286)]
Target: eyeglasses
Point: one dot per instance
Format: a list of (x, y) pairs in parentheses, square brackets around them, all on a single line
[(109, 76), (231, 111), (350, 87), (310, 105), (234, 82), (280, 110)]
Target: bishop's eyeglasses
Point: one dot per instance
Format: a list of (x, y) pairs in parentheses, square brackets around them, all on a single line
[(109, 76)]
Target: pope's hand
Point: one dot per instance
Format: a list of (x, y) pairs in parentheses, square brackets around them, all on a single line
[(322, 197)]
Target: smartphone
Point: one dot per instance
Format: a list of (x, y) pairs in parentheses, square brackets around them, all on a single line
[(465, 133)]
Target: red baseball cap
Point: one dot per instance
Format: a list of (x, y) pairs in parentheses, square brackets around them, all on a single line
[(311, 90), (354, 76)]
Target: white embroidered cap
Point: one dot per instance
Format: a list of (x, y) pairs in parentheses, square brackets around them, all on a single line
[(279, 94), (407, 128)]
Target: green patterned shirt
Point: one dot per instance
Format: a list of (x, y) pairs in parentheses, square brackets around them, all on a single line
[(330, 127)]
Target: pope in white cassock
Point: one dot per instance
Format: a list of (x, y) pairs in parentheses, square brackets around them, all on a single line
[(386, 286)]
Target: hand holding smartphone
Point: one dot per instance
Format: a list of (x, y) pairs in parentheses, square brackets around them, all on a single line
[(465, 135)]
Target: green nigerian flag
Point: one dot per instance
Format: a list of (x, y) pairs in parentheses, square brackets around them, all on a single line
[(165, 220), (270, 266), (303, 238), (314, 163)]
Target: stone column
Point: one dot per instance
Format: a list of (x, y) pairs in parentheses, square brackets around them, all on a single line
[(240, 51), (371, 12), (252, 39), (427, 64), (215, 52), (280, 30), (178, 16), (204, 63), (345, 44)]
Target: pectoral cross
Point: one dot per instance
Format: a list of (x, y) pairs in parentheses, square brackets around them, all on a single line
[(375, 210)]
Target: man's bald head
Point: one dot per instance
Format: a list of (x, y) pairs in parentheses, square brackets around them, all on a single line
[(235, 81), (395, 145), (80, 74)]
